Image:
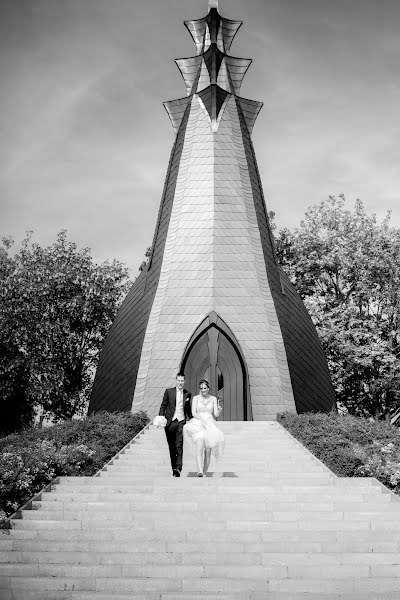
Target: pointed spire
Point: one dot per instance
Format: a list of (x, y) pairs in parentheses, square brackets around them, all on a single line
[(176, 110), (213, 74), (250, 110), (189, 68)]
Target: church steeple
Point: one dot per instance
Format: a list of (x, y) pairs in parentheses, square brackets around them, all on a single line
[(213, 75), (213, 300)]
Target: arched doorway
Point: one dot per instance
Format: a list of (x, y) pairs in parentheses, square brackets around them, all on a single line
[(214, 354)]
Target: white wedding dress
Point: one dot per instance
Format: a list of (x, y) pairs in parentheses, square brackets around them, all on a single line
[(203, 427)]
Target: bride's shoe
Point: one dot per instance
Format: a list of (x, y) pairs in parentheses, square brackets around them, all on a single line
[(199, 474)]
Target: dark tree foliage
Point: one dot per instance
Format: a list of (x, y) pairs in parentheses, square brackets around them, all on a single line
[(145, 262), (346, 267), (56, 306)]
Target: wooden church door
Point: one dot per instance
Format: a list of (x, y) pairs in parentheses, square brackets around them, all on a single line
[(215, 358)]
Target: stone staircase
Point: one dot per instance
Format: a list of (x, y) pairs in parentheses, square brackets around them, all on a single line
[(269, 523)]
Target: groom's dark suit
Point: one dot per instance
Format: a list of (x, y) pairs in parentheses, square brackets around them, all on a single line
[(174, 429)]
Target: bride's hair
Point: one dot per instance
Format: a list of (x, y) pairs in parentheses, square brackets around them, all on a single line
[(205, 382)]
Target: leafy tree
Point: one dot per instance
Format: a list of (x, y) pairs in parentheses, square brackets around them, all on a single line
[(56, 306), (346, 267), (145, 262)]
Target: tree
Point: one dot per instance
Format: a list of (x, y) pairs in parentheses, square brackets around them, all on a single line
[(145, 262), (346, 267), (56, 306)]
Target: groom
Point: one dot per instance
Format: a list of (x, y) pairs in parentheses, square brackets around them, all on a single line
[(175, 407)]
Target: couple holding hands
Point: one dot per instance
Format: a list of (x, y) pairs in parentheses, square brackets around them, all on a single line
[(192, 422)]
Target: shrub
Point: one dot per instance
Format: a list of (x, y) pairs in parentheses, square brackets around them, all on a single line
[(29, 460), (350, 446)]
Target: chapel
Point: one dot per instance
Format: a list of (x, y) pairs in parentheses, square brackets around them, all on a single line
[(213, 300)]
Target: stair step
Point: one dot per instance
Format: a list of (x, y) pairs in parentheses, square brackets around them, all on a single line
[(276, 492), (83, 507), (152, 513), (270, 522), (314, 544), (233, 525), (84, 595), (340, 582), (144, 534), (371, 559)]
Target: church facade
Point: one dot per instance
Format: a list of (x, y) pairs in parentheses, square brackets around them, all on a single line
[(212, 300)]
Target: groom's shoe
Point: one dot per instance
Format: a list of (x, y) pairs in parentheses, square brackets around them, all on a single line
[(176, 473)]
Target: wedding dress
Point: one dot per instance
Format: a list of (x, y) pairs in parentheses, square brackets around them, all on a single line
[(203, 427)]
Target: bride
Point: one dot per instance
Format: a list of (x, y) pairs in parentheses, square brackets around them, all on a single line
[(201, 430)]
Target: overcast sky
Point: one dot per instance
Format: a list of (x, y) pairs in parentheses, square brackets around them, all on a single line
[(85, 140)]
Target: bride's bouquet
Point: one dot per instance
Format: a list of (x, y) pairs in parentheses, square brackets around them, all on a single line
[(159, 421)]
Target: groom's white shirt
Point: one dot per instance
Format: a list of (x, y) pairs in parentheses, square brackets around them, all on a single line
[(179, 414)]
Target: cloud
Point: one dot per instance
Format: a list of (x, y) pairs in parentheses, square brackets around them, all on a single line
[(85, 141)]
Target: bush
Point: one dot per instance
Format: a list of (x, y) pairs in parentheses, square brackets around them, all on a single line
[(350, 446), (29, 460)]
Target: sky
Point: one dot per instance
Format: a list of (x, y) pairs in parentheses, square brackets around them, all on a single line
[(85, 140)]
